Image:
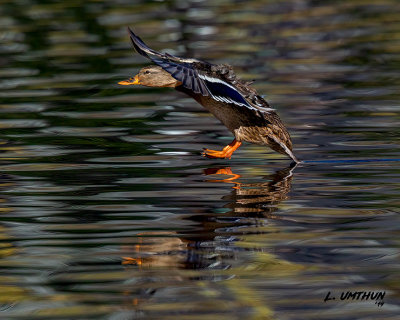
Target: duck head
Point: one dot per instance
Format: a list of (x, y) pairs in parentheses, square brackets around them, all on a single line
[(152, 76)]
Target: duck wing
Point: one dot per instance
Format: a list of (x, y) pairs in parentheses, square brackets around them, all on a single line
[(195, 75), (181, 69), (145, 51)]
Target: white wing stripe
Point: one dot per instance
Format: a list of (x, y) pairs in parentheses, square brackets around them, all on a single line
[(224, 99), (227, 99)]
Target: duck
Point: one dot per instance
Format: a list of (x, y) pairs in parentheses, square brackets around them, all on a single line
[(233, 101)]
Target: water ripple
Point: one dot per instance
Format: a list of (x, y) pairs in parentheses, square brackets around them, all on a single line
[(109, 211)]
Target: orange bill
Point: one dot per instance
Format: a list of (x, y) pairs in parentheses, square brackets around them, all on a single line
[(130, 81)]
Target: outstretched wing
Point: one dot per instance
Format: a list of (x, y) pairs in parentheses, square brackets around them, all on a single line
[(181, 69), (187, 72), (145, 51)]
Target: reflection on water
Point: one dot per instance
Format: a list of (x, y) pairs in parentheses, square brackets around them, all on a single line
[(248, 204), (213, 243), (108, 210)]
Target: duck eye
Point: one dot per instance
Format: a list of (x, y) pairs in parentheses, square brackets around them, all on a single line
[(147, 72)]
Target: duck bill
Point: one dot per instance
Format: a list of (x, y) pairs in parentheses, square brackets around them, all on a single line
[(130, 81)]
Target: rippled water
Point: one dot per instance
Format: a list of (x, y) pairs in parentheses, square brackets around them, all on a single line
[(108, 210)]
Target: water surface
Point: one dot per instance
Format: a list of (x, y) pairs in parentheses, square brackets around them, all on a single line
[(108, 210)]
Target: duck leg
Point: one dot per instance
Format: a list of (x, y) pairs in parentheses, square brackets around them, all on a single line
[(225, 152)]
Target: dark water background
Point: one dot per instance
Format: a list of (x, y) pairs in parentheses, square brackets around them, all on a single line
[(107, 209)]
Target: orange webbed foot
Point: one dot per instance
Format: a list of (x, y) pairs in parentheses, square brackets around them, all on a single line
[(214, 154), (224, 153)]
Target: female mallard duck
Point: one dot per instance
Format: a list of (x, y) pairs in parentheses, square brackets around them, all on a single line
[(231, 100)]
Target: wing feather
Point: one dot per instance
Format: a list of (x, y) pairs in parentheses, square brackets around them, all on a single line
[(186, 71), (145, 51)]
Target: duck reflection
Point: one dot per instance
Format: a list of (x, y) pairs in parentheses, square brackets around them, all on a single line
[(249, 204), (212, 244), (259, 197)]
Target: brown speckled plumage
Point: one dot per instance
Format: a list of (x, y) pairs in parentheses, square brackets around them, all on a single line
[(248, 125)]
